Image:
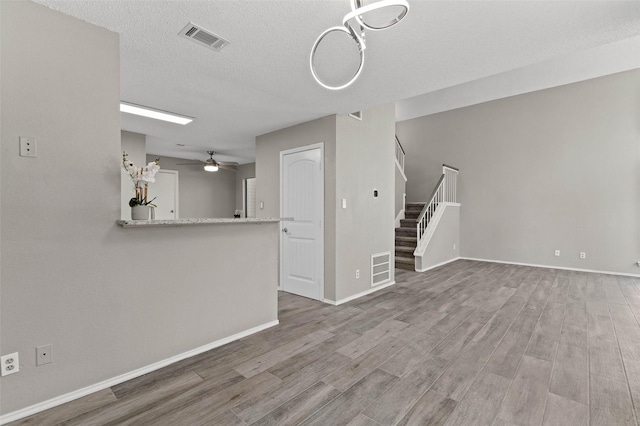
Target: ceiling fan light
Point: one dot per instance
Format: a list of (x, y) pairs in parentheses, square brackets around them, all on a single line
[(210, 167)]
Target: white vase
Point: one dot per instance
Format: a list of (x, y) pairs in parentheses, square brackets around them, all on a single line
[(140, 212)]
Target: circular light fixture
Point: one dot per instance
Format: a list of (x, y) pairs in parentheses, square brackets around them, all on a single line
[(211, 166), (358, 12), (361, 46)]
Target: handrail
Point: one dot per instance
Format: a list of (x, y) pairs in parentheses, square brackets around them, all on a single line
[(445, 191), (400, 156), (400, 145), (433, 194)]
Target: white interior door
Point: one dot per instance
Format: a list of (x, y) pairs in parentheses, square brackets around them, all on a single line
[(165, 189), (302, 245), (250, 197)]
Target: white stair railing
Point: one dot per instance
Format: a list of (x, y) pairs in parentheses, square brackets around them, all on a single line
[(399, 155), (444, 192)]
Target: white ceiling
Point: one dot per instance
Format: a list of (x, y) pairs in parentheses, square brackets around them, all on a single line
[(261, 81)]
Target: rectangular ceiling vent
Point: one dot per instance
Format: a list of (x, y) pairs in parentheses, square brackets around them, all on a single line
[(204, 37)]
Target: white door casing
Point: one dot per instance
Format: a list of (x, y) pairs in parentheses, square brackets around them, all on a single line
[(165, 189), (302, 239)]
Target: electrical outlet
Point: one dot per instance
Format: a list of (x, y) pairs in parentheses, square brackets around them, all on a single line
[(357, 273), (10, 364), (28, 147), (43, 355), (583, 255), (557, 252)]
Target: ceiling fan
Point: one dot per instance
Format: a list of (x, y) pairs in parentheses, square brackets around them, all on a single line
[(211, 165)]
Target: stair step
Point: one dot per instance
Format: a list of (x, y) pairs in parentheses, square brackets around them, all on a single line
[(405, 263), (404, 251), (406, 232), (408, 223), (411, 244)]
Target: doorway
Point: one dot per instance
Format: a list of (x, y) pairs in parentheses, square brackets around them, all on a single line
[(302, 239), (165, 189)]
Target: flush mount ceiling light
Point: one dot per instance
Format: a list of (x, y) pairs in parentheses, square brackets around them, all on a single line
[(154, 113), (358, 14)]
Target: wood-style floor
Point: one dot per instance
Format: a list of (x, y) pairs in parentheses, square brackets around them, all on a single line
[(469, 343)]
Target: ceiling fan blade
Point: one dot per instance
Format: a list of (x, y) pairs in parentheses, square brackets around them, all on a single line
[(228, 163), (228, 167)]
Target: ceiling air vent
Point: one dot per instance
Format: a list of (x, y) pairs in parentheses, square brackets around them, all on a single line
[(357, 115), (202, 36)]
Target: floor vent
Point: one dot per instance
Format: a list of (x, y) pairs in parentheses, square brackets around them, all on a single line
[(203, 37), (380, 268)]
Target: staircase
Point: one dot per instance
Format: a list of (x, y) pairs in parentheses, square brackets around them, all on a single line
[(406, 237)]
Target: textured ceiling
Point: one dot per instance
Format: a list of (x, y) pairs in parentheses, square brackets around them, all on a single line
[(261, 81)]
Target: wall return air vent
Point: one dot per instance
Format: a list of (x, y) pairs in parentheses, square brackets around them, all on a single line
[(203, 37)]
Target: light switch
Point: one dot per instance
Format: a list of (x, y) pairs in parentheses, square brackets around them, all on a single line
[(261, 205), (344, 203), (28, 147)]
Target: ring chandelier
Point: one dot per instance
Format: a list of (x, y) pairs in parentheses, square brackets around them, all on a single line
[(357, 17)]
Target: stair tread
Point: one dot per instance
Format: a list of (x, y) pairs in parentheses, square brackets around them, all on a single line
[(405, 249)]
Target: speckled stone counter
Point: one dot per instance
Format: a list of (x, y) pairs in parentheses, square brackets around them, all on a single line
[(196, 221)]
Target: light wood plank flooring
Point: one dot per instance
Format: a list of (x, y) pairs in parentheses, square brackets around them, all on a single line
[(469, 343)]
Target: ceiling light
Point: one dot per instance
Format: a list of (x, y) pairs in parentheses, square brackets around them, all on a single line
[(211, 167), (358, 12), (154, 113), (361, 47)]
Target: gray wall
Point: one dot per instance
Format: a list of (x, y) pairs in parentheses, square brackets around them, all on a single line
[(244, 171), (365, 152), (202, 194), (553, 169), (135, 145), (268, 149), (109, 300), (444, 245)]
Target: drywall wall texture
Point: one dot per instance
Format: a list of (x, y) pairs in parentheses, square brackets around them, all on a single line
[(268, 149), (365, 153), (135, 145), (553, 169), (444, 245), (110, 300), (201, 194), (244, 171)]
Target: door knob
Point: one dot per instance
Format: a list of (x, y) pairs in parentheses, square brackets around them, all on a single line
[(285, 230)]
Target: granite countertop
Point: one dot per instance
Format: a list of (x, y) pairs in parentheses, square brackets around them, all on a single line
[(196, 221)]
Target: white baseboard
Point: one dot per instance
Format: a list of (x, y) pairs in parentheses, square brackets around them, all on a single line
[(355, 296), (62, 399), (439, 264), (553, 267)]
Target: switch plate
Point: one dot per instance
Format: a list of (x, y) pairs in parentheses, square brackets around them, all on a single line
[(10, 364), (557, 252), (583, 255), (28, 147), (344, 203), (261, 205), (43, 354)]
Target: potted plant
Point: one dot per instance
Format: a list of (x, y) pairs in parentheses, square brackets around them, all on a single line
[(141, 178)]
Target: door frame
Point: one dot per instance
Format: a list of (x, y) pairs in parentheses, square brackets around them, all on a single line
[(176, 192), (320, 261)]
